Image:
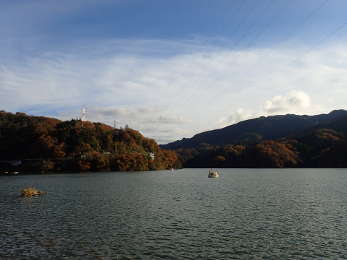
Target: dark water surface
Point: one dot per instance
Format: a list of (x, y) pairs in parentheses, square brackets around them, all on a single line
[(245, 214)]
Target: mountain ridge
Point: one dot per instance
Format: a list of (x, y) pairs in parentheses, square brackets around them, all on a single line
[(257, 129)]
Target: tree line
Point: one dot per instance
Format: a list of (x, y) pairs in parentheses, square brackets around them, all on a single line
[(317, 148), (48, 144)]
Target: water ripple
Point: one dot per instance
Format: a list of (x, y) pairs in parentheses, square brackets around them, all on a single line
[(245, 214)]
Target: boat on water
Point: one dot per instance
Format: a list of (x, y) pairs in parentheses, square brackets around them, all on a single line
[(213, 174)]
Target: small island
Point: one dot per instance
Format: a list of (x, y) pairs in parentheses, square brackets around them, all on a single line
[(30, 192)]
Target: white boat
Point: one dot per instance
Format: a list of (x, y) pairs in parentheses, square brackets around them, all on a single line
[(213, 174)]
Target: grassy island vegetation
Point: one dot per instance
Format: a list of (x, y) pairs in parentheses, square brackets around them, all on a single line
[(41, 144), (30, 192)]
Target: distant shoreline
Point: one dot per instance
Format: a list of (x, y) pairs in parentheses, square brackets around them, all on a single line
[(108, 171)]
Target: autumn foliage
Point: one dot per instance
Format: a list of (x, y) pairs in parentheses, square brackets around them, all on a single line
[(316, 148), (50, 145), (47, 144)]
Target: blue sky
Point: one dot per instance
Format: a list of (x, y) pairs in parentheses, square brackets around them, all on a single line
[(236, 23), (172, 68)]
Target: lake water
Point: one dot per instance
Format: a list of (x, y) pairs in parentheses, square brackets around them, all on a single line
[(245, 214)]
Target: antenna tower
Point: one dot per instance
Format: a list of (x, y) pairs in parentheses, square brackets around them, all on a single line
[(83, 115)]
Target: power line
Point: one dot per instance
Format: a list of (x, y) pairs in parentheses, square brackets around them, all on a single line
[(266, 27), (310, 16), (320, 42), (329, 35), (263, 30), (306, 19), (253, 25), (250, 13), (238, 25), (244, 21), (324, 39)]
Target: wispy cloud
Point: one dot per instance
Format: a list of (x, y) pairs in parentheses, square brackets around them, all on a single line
[(180, 93)]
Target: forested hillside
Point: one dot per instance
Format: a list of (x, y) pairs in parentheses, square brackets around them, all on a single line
[(41, 144), (257, 130), (47, 144), (322, 146)]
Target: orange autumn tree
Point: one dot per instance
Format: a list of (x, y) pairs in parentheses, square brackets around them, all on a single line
[(276, 154), (78, 146)]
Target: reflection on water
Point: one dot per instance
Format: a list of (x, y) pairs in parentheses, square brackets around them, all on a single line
[(245, 214)]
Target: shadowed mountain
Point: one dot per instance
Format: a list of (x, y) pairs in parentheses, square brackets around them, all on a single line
[(263, 128), (322, 145)]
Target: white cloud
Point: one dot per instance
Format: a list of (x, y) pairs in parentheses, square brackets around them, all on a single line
[(136, 115), (153, 122), (239, 115), (294, 102), (179, 94)]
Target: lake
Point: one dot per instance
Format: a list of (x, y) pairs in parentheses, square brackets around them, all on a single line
[(244, 214)]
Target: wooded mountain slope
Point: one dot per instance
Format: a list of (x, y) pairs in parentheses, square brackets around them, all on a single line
[(323, 145), (48, 144), (258, 129)]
